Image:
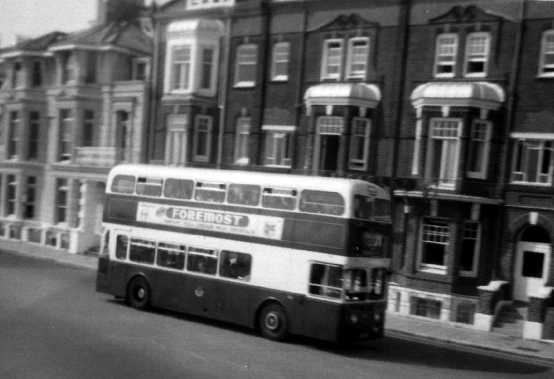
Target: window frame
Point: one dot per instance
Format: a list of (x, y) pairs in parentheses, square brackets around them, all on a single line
[(454, 55), (442, 182), (476, 248), (136, 63), (355, 163), (543, 54), (521, 157), (62, 186), (245, 58), (325, 74), (444, 234), (64, 153), (177, 139), (33, 139), (13, 138), (357, 74), (184, 84), (278, 143), (485, 57), (486, 142), (195, 139), (12, 187), (242, 135), (278, 58)]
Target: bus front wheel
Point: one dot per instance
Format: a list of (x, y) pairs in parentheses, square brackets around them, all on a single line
[(273, 322), (138, 294)]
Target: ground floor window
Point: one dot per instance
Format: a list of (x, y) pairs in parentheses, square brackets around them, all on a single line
[(278, 146), (533, 162), (424, 307), (465, 312), (435, 240), (177, 140)]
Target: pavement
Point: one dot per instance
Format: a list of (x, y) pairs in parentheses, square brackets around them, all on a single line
[(396, 325)]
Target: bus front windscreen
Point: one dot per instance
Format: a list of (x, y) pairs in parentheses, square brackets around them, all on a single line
[(362, 284), (371, 208)]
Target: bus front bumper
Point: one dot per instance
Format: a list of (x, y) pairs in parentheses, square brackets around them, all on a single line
[(363, 321)]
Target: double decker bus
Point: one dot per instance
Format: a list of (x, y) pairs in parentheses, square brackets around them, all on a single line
[(285, 254)]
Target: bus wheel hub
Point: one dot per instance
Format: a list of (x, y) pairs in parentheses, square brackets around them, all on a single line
[(272, 321), (140, 293)]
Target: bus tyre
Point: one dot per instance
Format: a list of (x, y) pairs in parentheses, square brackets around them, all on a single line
[(273, 322), (138, 293)]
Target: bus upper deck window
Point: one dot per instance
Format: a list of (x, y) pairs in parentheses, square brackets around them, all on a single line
[(149, 186), (279, 198), (178, 189), (244, 194), (363, 207), (322, 202), (210, 192), (123, 184)]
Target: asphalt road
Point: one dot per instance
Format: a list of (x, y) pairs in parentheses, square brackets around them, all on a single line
[(54, 325)]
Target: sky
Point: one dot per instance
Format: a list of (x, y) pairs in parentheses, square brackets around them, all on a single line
[(31, 18)]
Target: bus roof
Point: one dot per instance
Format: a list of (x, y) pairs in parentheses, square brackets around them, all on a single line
[(341, 185)]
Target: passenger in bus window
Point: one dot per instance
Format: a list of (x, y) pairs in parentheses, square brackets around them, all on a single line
[(235, 265)]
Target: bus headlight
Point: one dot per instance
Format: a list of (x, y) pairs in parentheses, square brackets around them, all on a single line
[(377, 316), (353, 319)]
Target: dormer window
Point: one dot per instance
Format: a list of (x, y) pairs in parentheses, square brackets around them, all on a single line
[(477, 54), (445, 55)]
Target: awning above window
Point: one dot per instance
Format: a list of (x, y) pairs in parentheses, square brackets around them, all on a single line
[(333, 94), (471, 94)]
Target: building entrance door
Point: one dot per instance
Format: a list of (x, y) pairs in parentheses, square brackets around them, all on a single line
[(531, 268)]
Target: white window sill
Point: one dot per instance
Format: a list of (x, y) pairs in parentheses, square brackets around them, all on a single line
[(476, 175), (357, 168), (242, 161), (547, 75), (444, 75), (244, 85), (437, 270), (280, 78), (277, 165), (476, 75), (201, 159), (531, 184), (357, 76), (467, 274)]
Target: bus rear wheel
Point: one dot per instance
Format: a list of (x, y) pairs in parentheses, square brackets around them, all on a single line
[(273, 322), (138, 293)]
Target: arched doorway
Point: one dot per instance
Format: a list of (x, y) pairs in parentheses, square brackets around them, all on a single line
[(532, 262)]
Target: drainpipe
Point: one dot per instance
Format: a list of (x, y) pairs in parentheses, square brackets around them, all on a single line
[(265, 52), (222, 102), (153, 94), (510, 111), (404, 22), (300, 80)]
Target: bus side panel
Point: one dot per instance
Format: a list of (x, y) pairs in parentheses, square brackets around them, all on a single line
[(111, 277), (324, 319)]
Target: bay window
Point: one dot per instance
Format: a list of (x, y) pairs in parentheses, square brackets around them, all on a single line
[(443, 152), (359, 144), (479, 146), (180, 67)]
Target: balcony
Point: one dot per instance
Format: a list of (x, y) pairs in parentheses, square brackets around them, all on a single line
[(97, 156)]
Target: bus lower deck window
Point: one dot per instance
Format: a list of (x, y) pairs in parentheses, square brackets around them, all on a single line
[(326, 280), (202, 260), (171, 256), (142, 251), (235, 265), (121, 247)]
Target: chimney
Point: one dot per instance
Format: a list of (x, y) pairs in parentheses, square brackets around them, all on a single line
[(117, 10)]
